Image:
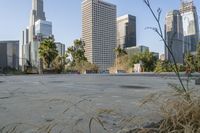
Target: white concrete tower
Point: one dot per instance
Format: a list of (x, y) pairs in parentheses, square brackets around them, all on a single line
[(99, 32)]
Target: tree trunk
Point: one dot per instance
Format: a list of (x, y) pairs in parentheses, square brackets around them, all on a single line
[(48, 65), (49, 62), (41, 67)]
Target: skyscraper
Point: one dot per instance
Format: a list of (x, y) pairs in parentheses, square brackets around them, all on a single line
[(38, 30), (126, 31), (25, 48), (36, 14), (60, 48), (43, 28), (174, 36), (190, 25), (99, 32)]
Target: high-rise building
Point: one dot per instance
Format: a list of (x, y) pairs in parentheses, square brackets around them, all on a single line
[(190, 25), (60, 48), (9, 55), (174, 36), (43, 28), (38, 30), (25, 54), (37, 13), (99, 32), (25, 36), (156, 55), (126, 31)]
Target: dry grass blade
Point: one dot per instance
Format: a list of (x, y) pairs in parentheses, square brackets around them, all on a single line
[(10, 128), (105, 111), (150, 98), (47, 128), (73, 105), (181, 116), (98, 121), (13, 130), (180, 92)]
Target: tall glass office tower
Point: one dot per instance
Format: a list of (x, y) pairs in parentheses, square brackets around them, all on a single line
[(36, 14), (126, 31), (190, 25), (174, 36), (38, 30)]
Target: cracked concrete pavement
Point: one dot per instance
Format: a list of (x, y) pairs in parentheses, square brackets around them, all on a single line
[(68, 102)]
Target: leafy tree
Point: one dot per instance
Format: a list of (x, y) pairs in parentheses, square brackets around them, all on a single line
[(121, 63), (163, 66), (147, 59), (134, 59), (77, 52), (120, 53), (58, 64), (82, 66), (190, 62), (79, 61), (47, 51), (166, 66), (182, 68)]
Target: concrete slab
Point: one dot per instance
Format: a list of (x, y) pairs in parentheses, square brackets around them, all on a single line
[(68, 102)]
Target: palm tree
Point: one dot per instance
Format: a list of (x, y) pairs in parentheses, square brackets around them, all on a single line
[(47, 51), (119, 51)]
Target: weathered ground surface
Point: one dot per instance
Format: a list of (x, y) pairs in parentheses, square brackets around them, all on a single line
[(67, 102)]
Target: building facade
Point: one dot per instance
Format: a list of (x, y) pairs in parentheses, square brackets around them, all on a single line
[(99, 32), (9, 55), (60, 48), (37, 13), (156, 55), (190, 25), (25, 54), (136, 49), (43, 28), (126, 31), (174, 36)]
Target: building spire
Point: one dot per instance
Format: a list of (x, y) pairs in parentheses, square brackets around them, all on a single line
[(38, 9), (37, 13)]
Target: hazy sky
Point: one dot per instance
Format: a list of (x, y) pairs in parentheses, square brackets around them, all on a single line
[(66, 18)]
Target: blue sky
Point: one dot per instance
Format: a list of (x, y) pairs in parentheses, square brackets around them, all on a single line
[(66, 18)]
